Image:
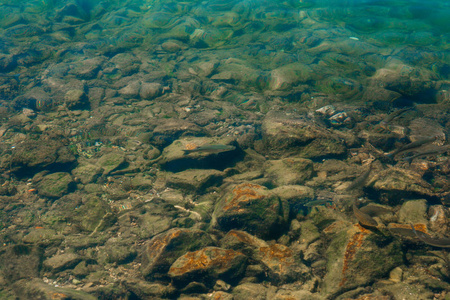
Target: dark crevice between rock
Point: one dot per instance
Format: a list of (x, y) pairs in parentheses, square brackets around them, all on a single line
[(219, 161), (22, 172)]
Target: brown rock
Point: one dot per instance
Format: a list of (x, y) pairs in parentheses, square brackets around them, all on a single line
[(62, 261), (395, 181), (195, 180), (37, 289), (131, 90), (150, 90), (289, 171), (279, 261), (253, 208), (162, 250), (207, 265)]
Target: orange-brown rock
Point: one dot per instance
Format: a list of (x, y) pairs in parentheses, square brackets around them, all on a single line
[(207, 265), (162, 250), (253, 208), (278, 260)]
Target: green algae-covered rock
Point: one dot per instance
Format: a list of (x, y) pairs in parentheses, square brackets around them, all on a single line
[(116, 253), (111, 161), (19, 261), (94, 215), (32, 157), (55, 185), (43, 237), (61, 262), (87, 173)]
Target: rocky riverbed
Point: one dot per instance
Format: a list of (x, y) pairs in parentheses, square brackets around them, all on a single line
[(223, 150)]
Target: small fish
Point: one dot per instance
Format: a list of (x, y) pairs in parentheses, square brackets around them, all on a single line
[(394, 115), (375, 210), (413, 145), (360, 180), (433, 151), (363, 218), (210, 149), (318, 202), (401, 231), (443, 242), (15, 76)]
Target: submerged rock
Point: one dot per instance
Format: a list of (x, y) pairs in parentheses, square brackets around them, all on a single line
[(19, 262), (61, 262), (410, 81), (94, 215), (413, 212), (289, 171), (283, 136), (395, 181), (356, 257), (76, 99), (290, 75), (112, 160), (87, 173), (167, 131), (87, 68), (279, 262), (36, 288), (195, 180), (150, 90), (253, 208), (177, 157), (31, 157), (162, 250), (55, 185), (207, 265)]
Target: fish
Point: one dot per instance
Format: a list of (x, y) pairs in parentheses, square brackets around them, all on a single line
[(375, 210), (318, 202), (433, 151), (394, 115), (210, 149), (413, 145), (401, 231), (360, 180), (442, 242), (363, 218), (15, 76), (405, 230)]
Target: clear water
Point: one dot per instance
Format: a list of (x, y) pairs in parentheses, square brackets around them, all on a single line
[(284, 50)]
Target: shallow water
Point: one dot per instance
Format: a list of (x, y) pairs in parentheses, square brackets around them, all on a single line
[(101, 107)]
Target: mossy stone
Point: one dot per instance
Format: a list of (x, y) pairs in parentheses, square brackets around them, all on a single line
[(87, 173), (95, 214), (55, 185), (111, 161)]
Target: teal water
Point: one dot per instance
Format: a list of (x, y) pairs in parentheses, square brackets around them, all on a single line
[(337, 40)]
